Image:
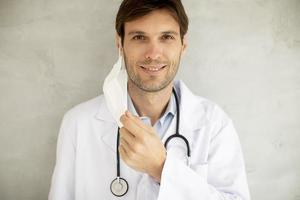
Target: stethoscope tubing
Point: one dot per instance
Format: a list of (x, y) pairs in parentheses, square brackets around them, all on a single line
[(176, 135), (177, 128)]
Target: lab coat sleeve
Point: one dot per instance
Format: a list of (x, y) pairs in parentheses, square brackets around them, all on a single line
[(62, 185), (221, 178)]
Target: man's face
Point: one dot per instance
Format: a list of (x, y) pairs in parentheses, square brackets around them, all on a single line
[(152, 49)]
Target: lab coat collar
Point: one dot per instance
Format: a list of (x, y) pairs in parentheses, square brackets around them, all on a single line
[(191, 114)]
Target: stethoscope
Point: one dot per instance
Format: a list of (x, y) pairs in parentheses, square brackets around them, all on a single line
[(119, 186)]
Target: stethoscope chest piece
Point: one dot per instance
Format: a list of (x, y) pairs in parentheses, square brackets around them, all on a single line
[(119, 187)]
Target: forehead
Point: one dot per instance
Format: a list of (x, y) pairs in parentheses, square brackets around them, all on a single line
[(155, 22)]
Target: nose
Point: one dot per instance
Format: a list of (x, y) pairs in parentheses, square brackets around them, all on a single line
[(153, 51)]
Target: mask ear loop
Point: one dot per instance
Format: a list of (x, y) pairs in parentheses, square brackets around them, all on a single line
[(121, 60), (120, 52)]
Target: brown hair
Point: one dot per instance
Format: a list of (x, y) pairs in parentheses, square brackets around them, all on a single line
[(132, 9)]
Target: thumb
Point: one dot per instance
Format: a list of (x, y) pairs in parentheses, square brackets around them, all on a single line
[(140, 123)]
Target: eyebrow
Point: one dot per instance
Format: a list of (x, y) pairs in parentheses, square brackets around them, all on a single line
[(136, 33), (143, 33), (170, 32)]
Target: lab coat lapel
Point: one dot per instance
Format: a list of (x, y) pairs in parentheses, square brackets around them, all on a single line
[(109, 128), (187, 104)]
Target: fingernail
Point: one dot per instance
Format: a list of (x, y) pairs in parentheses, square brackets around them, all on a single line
[(128, 114)]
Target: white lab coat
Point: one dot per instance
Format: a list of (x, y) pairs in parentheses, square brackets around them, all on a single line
[(86, 156)]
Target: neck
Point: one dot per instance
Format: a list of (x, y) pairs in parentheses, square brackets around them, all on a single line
[(150, 104)]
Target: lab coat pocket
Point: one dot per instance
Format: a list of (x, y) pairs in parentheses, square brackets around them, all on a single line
[(201, 169)]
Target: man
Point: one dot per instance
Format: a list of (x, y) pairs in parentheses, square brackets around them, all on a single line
[(151, 38)]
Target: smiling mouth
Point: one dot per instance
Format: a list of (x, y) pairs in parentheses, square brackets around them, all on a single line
[(153, 68)]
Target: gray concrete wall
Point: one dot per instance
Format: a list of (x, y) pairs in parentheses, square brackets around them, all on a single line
[(243, 54)]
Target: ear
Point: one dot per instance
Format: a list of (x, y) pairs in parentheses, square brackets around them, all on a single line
[(184, 44), (118, 42)]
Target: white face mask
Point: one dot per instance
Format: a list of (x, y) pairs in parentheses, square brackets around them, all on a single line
[(115, 90)]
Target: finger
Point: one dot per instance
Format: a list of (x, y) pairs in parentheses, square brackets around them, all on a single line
[(127, 136), (135, 125), (127, 147), (139, 122), (131, 126), (123, 153), (126, 154)]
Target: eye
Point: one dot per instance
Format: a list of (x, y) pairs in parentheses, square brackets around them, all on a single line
[(167, 37), (139, 37)]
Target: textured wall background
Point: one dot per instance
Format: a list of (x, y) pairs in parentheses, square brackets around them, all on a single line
[(243, 54)]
